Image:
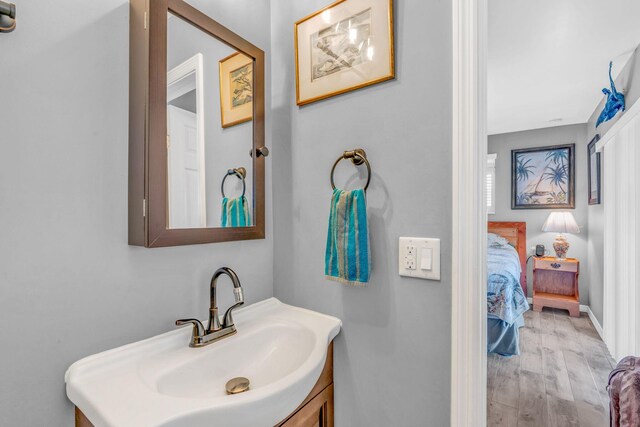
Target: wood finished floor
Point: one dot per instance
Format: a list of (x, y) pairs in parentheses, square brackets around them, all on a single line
[(559, 379)]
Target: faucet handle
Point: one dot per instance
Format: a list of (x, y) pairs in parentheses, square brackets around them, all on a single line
[(198, 327)]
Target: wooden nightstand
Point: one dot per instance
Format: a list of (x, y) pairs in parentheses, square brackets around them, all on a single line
[(555, 284)]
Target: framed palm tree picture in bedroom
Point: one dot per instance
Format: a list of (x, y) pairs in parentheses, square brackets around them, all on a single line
[(543, 177)]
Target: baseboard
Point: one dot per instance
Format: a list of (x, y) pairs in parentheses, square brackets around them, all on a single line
[(595, 322), (584, 309)]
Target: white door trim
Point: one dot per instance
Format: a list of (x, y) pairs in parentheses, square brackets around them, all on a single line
[(469, 319), (178, 85), (621, 297), (179, 73)]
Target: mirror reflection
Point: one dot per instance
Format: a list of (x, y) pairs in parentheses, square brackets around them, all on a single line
[(209, 130)]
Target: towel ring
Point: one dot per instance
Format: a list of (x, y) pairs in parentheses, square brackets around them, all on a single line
[(357, 157), (241, 173)]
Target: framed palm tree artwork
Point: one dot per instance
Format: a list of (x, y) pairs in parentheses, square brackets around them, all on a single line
[(543, 177)]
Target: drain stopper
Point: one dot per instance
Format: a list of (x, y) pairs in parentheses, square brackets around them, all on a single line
[(237, 385)]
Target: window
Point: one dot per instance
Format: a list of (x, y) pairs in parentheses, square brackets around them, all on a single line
[(491, 183)]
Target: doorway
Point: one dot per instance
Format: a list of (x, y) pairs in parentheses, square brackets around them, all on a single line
[(470, 255)]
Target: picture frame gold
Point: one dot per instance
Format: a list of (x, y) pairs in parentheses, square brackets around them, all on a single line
[(346, 46), (236, 89)]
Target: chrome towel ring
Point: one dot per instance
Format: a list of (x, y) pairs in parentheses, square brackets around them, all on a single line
[(357, 157), (241, 173), (7, 17)]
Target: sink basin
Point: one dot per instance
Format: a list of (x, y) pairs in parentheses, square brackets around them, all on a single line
[(161, 381)]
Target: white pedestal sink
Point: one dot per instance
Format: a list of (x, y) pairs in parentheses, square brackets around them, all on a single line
[(161, 381)]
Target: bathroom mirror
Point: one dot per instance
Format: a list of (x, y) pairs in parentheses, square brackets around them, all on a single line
[(197, 169), (209, 130)]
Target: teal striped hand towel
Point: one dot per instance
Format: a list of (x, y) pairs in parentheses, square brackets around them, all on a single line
[(235, 212), (347, 255)]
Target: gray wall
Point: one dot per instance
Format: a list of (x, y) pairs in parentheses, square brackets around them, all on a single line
[(502, 145), (70, 285), (392, 358), (628, 81)]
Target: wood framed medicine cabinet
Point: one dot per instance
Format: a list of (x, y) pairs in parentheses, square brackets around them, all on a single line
[(149, 187)]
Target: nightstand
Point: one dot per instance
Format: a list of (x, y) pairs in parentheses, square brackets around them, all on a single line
[(555, 284)]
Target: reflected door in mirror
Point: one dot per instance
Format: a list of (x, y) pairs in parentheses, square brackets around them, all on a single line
[(186, 174)]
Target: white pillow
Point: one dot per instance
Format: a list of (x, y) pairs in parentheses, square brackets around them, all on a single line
[(497, 241)]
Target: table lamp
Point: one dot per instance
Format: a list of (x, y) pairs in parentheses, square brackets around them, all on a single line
[(561, 222)]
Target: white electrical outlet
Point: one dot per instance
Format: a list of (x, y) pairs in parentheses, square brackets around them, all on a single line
[(419, 257), (410, 257), (410, 263)]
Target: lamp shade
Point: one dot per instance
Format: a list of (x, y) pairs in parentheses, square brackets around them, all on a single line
[(561, 222)]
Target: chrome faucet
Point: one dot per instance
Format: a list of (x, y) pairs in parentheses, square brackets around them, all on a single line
[(214, 331)]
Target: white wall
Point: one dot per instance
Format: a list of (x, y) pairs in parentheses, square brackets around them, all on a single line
[(502, 145), (392, 358), (621, 239), (626, 82), (70, 285)]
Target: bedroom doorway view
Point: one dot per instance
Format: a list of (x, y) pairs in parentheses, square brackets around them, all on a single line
[(563, 80)]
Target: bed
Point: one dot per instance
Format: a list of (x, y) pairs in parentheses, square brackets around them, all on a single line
[(506, 286)]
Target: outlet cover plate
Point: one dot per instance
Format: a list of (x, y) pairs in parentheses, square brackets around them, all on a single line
[(419, 257)]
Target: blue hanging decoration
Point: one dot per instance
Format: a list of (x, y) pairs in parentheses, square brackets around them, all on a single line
[(615, 102)]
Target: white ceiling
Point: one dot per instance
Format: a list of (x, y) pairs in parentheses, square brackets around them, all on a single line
[(548, 59)]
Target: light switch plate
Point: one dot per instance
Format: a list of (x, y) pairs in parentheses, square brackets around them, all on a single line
[(419, 257)]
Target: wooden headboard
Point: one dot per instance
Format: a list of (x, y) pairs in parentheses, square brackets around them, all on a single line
[(516, 234)]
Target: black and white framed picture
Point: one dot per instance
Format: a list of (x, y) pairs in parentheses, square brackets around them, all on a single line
[(594, 172), (346, 46)]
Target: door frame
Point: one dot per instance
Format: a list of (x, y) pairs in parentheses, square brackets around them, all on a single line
[(176, 86), (469, 251)]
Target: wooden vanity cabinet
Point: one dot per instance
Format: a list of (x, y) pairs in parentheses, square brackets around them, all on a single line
[(317, 408), (315, 411), (81, 419)]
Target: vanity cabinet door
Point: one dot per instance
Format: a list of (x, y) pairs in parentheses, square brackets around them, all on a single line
[(317, 413)]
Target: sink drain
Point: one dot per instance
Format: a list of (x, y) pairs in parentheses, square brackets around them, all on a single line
[(237, 385)]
